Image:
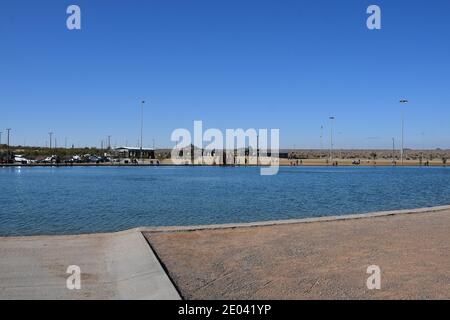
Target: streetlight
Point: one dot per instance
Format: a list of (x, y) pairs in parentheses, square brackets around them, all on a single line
[(321, 142), (142, 122), (403, 101), (331, 138), (393, 150), (423, 148), (7, 152), (50, 135)]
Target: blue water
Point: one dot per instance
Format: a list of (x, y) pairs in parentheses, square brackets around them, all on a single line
[(44, 200)]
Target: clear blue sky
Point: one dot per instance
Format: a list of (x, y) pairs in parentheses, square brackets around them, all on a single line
[(232, 64)]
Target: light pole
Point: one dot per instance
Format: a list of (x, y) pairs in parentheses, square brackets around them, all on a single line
[(50, 135), (423, 148), (331, 138), (321, 141), (403, 101), (7, 141), (257, 150), (142, 122), (1, 137), (393, 150)]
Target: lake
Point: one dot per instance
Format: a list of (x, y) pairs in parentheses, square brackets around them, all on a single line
[(72, 200)]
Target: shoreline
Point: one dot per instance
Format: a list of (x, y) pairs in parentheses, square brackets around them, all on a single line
[(412, 164), (231, 225), (312, 258), (268, 223)]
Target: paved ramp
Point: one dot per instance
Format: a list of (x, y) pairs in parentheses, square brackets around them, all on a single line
[(113, 266)]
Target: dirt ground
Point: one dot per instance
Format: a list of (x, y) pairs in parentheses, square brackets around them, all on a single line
[(318, 260)]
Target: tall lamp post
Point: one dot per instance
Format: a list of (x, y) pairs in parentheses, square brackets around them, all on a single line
[(393, 150), (142, 123), (321, 141), (50, 136), (7, 141), (331, 138), (422, 147), (403, 101)]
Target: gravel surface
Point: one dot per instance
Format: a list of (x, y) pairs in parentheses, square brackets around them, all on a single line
[(319, 260)]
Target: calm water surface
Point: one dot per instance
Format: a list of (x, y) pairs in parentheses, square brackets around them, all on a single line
[(98, 199)]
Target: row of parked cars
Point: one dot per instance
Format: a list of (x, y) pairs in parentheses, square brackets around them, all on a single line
[(89, 159), (56, 159), (18, 158)]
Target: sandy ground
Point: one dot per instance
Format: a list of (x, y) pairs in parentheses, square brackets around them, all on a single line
[(344, 162), (318, 260)]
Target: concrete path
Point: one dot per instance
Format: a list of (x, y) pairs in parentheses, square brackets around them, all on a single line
[(113, 266)]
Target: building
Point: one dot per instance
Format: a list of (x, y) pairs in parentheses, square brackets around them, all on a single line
[(133, 152), (244, 156)]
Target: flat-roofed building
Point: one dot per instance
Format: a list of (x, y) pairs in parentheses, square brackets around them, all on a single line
[(133, 152)]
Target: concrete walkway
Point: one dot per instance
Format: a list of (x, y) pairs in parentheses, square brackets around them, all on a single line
[(113, 266)]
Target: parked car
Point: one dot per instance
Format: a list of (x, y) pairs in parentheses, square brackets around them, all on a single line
[(94, 159), (5, 161), (104, 159), (50, 159), (74, 159), (21, 159)]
